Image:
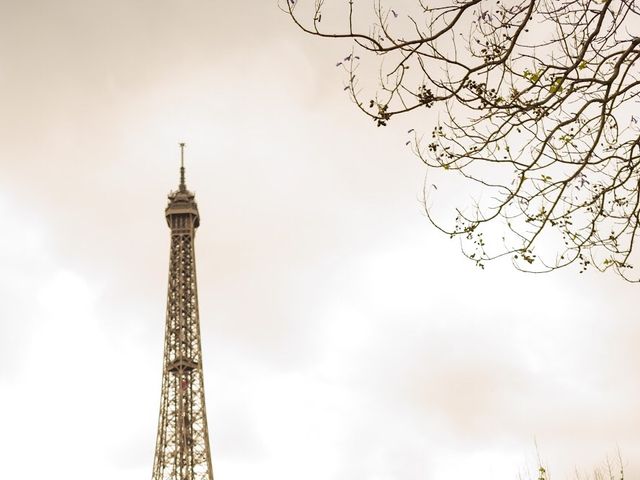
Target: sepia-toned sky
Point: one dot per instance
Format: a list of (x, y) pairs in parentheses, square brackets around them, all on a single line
[(344, 337)]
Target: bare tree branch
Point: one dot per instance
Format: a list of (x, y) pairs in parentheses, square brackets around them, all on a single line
[(536, 102)]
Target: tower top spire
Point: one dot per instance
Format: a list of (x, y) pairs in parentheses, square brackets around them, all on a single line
[(183, 186), (181, 201)]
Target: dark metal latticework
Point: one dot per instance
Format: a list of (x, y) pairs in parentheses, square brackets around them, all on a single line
[(182, 445)]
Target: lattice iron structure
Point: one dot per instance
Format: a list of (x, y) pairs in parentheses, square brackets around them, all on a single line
[(182, 445)]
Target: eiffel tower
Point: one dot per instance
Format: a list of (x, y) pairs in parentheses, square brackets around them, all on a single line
[(182, 444)]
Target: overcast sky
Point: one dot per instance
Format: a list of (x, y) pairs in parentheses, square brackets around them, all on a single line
[(344, 338)]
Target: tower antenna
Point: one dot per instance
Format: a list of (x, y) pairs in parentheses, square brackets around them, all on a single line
[(182, 183)]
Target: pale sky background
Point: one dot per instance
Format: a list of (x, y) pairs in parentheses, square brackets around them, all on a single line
[(344, 337)]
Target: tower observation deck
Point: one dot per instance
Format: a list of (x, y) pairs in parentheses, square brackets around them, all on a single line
[(182, 443)]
